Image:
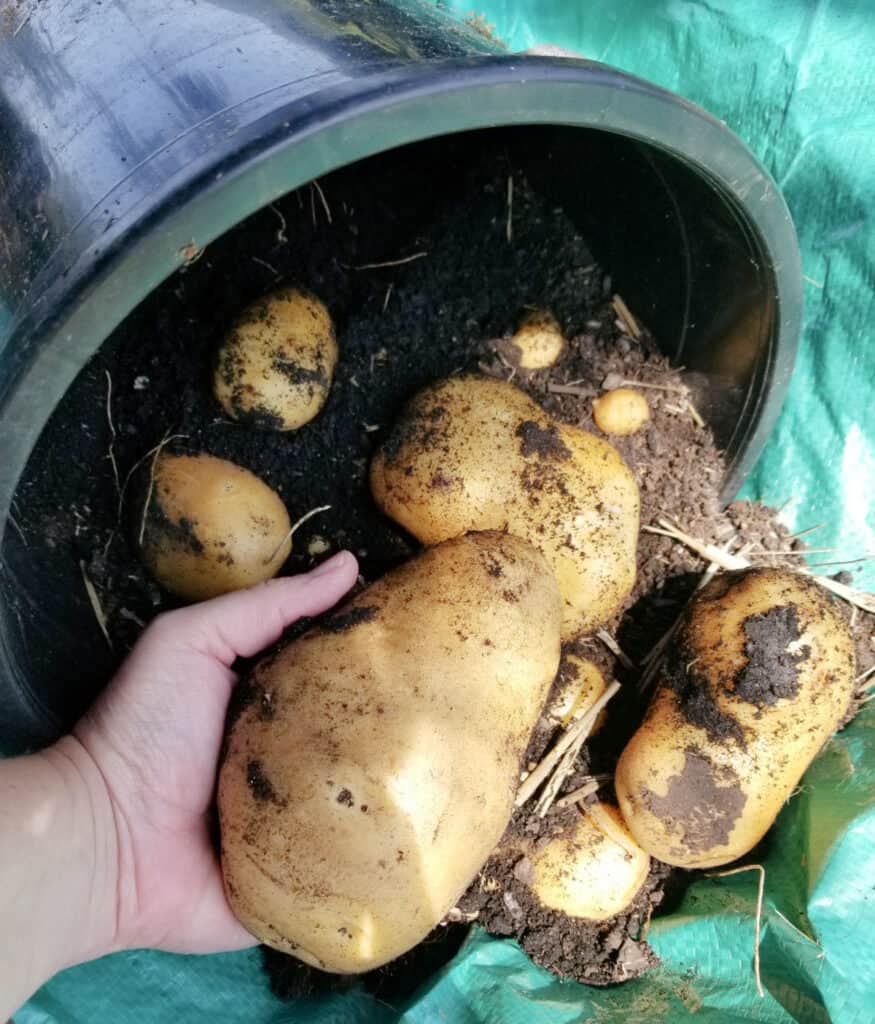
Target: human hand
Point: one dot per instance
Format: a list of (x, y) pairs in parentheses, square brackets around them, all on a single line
[(113, 847), (155, 735)]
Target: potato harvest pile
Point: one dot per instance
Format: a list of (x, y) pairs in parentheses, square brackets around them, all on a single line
[(375, 764), (567, 678)]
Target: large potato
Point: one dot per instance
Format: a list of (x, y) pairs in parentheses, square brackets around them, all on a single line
[(274, 368), (374, 766), (211, 526), (473, 453), (759, 678)]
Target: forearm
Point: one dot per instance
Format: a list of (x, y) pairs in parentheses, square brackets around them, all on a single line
[(58, 868)]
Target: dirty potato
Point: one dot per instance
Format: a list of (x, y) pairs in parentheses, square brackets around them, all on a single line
[(580, 684), (474, 453), (373, 766), (594, 871), (274, 368), (210, 526), (537, 342), (759, 678)]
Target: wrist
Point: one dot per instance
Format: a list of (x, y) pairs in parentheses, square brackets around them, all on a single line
[(58, 867), (87, 827)]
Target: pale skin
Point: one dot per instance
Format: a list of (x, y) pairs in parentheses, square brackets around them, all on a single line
[(104, 837)]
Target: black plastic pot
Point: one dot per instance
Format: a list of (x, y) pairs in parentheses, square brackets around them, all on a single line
[(132, 135)]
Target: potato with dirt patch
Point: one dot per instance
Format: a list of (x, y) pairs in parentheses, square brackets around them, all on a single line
[(373, 766), (274, 369), (759, 677), (536, 344), (210, 526), (474, 453)]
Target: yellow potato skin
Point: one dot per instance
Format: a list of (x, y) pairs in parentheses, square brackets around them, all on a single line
[(760, 677), (274, 368), (537, 343), (620, 412), (211, 527), (374, 766), (474, 453), (594, 871)]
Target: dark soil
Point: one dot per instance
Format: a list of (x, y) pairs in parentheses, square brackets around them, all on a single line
[(293, 980), (398, 328), (771, 673), (260, 784), (700, 785)]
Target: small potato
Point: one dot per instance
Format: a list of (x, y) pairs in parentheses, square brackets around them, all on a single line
[(581, 685), (211, 527), (474, 453), (593, 872), (373, 766), (620, 412), (759, 678), (274, 369), (537, 343)]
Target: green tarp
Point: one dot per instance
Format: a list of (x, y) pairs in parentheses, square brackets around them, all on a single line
[(795, 79)]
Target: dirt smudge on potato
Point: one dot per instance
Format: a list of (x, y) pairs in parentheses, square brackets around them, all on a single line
[(695, 699), (162, 530), (258, 417), (297, 375), (704, 802), (247, 694), (344, 621), (542, 441), (346, 798), (259, 784), (493, 566), (312, 381), (417, 429), (772, 669)]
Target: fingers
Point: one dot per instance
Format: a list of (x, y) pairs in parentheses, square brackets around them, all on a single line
[(245, 622)]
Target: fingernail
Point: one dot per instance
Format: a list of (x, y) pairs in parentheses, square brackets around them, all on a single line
[(333, 564)]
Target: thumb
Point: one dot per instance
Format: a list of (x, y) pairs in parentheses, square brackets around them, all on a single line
[(246, 621)]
